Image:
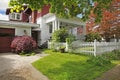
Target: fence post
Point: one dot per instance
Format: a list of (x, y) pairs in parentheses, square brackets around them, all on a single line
[(116, 44), (95, 47), (66, 46), (48, 45)]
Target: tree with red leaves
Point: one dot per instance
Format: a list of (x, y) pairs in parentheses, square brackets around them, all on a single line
[(109, 26)]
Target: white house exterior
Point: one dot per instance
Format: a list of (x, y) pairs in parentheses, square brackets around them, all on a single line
[(10, 29), (47, 23), (21, 28), (50, 22)]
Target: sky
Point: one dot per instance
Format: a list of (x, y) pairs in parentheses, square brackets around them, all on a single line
[(3, 6)]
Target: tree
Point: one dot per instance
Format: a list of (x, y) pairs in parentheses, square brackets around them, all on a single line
[(109, 25), (68, 8)]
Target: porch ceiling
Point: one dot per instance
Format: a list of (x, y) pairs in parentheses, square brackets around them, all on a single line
[(18, 24), (71, 22)]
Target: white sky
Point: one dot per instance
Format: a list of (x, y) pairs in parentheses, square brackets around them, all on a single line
[(3, 17), (3, 6)]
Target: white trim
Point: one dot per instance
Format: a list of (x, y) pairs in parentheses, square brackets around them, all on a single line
[(19, 24), (15, 16), (71, 21)]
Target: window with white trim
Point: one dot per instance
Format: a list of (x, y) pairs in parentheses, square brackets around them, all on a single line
[(15, 16)]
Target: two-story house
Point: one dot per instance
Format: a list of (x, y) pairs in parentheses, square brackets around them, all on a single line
[(19, 24), (23, 23), (50, 22)]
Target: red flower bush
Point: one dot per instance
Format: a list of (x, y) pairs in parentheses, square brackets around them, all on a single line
[(23, 43)]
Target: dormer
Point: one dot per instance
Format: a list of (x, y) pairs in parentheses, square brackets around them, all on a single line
[(22, 16)]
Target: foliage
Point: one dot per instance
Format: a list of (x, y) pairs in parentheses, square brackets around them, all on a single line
[(99, 61), (70, 66), (109, 24), (27, 54), (70, 39), (114, 55), (23, 43), (67, 8), (92, 36), (16, 8), (60, 35), (105, 58)]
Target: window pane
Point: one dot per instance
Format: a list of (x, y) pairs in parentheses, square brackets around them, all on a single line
[(18, 16), (50, 28), (12, 16)]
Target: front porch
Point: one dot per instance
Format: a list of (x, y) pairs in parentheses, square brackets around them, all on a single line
[(74, 27), (49, 23)]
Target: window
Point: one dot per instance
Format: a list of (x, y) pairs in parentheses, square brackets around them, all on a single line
[(50, 28), (15, 16)]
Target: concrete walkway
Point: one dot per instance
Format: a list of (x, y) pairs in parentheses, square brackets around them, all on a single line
[(113, 74), (15, 67)]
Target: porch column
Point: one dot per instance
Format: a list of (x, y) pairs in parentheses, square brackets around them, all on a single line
[(53, 26), (58, 27)]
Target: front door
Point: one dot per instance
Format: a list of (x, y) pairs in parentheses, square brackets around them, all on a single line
[(35, 35)]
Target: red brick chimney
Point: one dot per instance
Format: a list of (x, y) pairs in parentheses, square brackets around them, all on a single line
[(34, 16)]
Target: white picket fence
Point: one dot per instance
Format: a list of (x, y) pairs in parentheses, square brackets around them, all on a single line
[(57, 45), (94, 48)]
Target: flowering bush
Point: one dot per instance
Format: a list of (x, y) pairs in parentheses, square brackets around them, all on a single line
[(23, 43)]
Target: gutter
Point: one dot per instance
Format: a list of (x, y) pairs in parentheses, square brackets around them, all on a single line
[(18, 24)]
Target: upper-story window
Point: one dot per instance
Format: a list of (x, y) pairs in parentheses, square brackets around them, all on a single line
[(15, 16)]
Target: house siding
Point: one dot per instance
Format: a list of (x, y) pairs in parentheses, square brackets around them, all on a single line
[(44, 11), (25, 17), (19, 31)]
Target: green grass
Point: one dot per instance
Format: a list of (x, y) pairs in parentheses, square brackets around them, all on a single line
[(27, 54), (68, 67), (65, 66)]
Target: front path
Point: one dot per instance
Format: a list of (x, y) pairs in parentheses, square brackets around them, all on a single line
[(113, 74), (15, 67)]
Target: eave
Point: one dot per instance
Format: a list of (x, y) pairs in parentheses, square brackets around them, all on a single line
[(18, 24)]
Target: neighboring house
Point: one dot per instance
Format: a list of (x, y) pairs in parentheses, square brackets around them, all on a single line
[(50, 22), (18, 25)]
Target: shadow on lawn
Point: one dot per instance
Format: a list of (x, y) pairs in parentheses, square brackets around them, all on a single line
[(77, 71)]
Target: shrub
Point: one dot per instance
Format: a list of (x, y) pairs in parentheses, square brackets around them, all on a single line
[(70, 39), (15, 42), (92, 36), (23, 43), (99, 60), (60, 35), (114, 55)]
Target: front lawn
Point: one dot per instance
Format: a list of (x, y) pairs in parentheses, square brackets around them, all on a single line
[(65, 66)]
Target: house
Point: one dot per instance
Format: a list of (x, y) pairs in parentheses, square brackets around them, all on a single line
[(18, 25), (50, 22), (24, 23)]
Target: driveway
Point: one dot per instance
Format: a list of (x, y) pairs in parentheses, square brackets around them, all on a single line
[(15, 67)]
